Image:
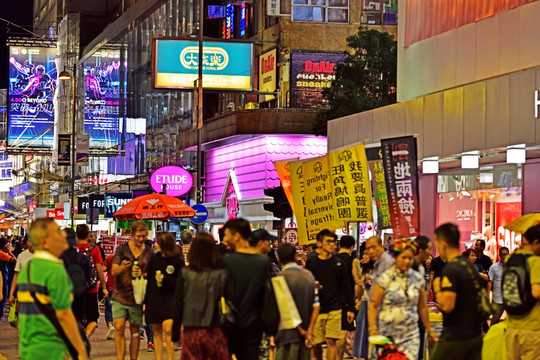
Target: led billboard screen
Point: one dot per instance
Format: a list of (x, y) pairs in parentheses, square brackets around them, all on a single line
[(226, 65), (102, 103), (32, 83)]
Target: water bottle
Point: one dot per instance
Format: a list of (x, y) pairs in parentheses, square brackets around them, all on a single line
[(159, 283), (135, 263)]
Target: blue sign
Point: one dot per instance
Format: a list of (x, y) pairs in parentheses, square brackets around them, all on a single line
[(32, 84), (201, 214), (102, 103), (226, 65), (114, 201)]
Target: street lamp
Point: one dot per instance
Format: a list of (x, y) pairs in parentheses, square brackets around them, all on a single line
[(65, 75)]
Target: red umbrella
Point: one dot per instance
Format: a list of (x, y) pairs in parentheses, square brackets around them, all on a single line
[(154, 207)]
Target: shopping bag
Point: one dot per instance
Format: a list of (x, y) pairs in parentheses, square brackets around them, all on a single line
[(13, 318), (289, 316), (139, 289), (494, 343)]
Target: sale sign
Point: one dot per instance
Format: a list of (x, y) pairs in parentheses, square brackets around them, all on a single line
[(505, 213)]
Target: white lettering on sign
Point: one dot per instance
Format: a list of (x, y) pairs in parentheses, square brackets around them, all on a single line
[(162, 179), (536, 103), (508, 238)]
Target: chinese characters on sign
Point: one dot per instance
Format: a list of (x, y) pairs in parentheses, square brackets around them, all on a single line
[(298, 191), (350, 184), (273, 8), (283, 170), (380, 194), (401, 175)]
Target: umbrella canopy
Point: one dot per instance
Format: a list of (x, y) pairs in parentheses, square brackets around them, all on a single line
[(154, 207), (523, 223)]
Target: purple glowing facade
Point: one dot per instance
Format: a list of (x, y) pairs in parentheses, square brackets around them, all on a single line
[(252, 161)]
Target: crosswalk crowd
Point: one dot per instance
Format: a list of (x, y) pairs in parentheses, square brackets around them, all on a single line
[(246, 297)]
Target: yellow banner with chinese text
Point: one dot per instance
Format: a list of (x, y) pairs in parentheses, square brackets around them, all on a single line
[(351, 187), (296, 173)]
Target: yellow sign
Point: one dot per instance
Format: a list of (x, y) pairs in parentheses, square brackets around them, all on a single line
[(282, 168), (319, 198), (297, 186), (267, 73), (351, 188)]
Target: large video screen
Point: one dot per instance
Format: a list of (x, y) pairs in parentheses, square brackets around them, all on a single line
[(102, 103), (32, 84)]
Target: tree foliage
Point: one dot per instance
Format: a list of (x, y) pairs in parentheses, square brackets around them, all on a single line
[(365, 80)]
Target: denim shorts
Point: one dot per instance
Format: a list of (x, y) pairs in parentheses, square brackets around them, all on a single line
[(133, 313)]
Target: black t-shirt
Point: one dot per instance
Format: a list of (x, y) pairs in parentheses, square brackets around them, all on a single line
[(437, 266), (348, 260), (463, 322), (485, 261), (332, 275), (248, 273)]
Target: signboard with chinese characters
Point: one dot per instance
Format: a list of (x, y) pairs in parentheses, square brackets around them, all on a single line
[(298, 193), (274, 8), (350, 184), (311, 73), (226, 65), (64, 149), (267, 74), (283, 170), (102, 102), (378, 185), (32, 84), (401, 176)]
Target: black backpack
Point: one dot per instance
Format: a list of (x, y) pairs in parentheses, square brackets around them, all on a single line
[(78, 268), (93, 273), (516, 285)]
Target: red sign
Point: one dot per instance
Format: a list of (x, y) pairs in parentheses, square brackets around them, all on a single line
[(59, 214), (505, 213), (51, 213)]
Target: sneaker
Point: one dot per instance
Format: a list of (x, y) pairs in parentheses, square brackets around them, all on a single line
[(110, 333), (142, 334), (150, 347)]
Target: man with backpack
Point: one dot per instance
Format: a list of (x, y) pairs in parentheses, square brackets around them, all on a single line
[(79, 271), (335, 295), (91, 305), (521, 298), (457, 296)]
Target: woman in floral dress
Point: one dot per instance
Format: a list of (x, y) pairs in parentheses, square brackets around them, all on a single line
[(398, 300)]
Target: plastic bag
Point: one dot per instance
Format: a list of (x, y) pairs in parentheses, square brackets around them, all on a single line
[(289, 316), (494, 347), (13, 318), (139, 289)]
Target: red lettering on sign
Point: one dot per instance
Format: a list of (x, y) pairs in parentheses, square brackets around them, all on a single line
[(319, 67), (267, 64)]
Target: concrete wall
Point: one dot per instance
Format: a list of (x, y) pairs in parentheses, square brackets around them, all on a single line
[(503, 43), (488, 114)]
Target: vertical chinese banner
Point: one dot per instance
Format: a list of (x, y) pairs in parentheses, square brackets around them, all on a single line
[(401, 176), (297, 187), (282, 168), (350, 184), (320, 204), (379, 193)]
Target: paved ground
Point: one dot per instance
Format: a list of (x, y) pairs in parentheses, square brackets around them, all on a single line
[(101, 347)]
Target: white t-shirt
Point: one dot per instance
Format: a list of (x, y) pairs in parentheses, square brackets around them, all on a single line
[(23, 259)]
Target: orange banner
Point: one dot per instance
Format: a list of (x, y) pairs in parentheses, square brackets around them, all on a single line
[(282, 168)]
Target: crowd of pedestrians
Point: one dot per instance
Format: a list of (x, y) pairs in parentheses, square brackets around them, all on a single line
[(218, 302)]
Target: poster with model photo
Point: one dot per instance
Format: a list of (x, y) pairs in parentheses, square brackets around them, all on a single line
[(32, 82), (101, 107)]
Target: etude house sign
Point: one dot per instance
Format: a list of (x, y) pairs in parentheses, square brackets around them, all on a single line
[(177, 180)]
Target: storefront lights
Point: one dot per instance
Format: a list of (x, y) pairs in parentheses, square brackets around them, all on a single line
[(486, 178), (516, 154), (470, 160), (430, 165)]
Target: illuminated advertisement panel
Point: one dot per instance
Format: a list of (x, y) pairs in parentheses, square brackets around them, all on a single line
[(32, 83), (226, 65), (311, 73), (102, 103)]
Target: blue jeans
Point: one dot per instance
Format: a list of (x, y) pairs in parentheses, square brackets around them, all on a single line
[(108, 310), (149, 333)]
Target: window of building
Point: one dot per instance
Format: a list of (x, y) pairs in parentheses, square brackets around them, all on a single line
[(330, 11)]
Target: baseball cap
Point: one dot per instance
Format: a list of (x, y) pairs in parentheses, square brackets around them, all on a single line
[(260, 234)]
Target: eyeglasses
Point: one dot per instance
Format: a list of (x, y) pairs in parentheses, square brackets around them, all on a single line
[(330, 241)]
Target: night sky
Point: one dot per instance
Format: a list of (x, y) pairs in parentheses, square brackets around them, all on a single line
[(19, 12)]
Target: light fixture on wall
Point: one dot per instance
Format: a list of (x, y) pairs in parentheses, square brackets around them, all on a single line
[(470, 160), (486, 177), (516, 154), (430, 165)]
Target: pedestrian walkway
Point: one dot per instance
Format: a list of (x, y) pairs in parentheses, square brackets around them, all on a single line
[(102, 348)]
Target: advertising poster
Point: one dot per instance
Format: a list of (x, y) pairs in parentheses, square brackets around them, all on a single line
[(226, 65), (64, 149), (350, 184), (283, 170), (102, 103), (320, 205), (311, 73), (378, 184), (297, 186), (505, 213), (401, 176), (114, 201), (32, 83), (83, 149), (267, 74)]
